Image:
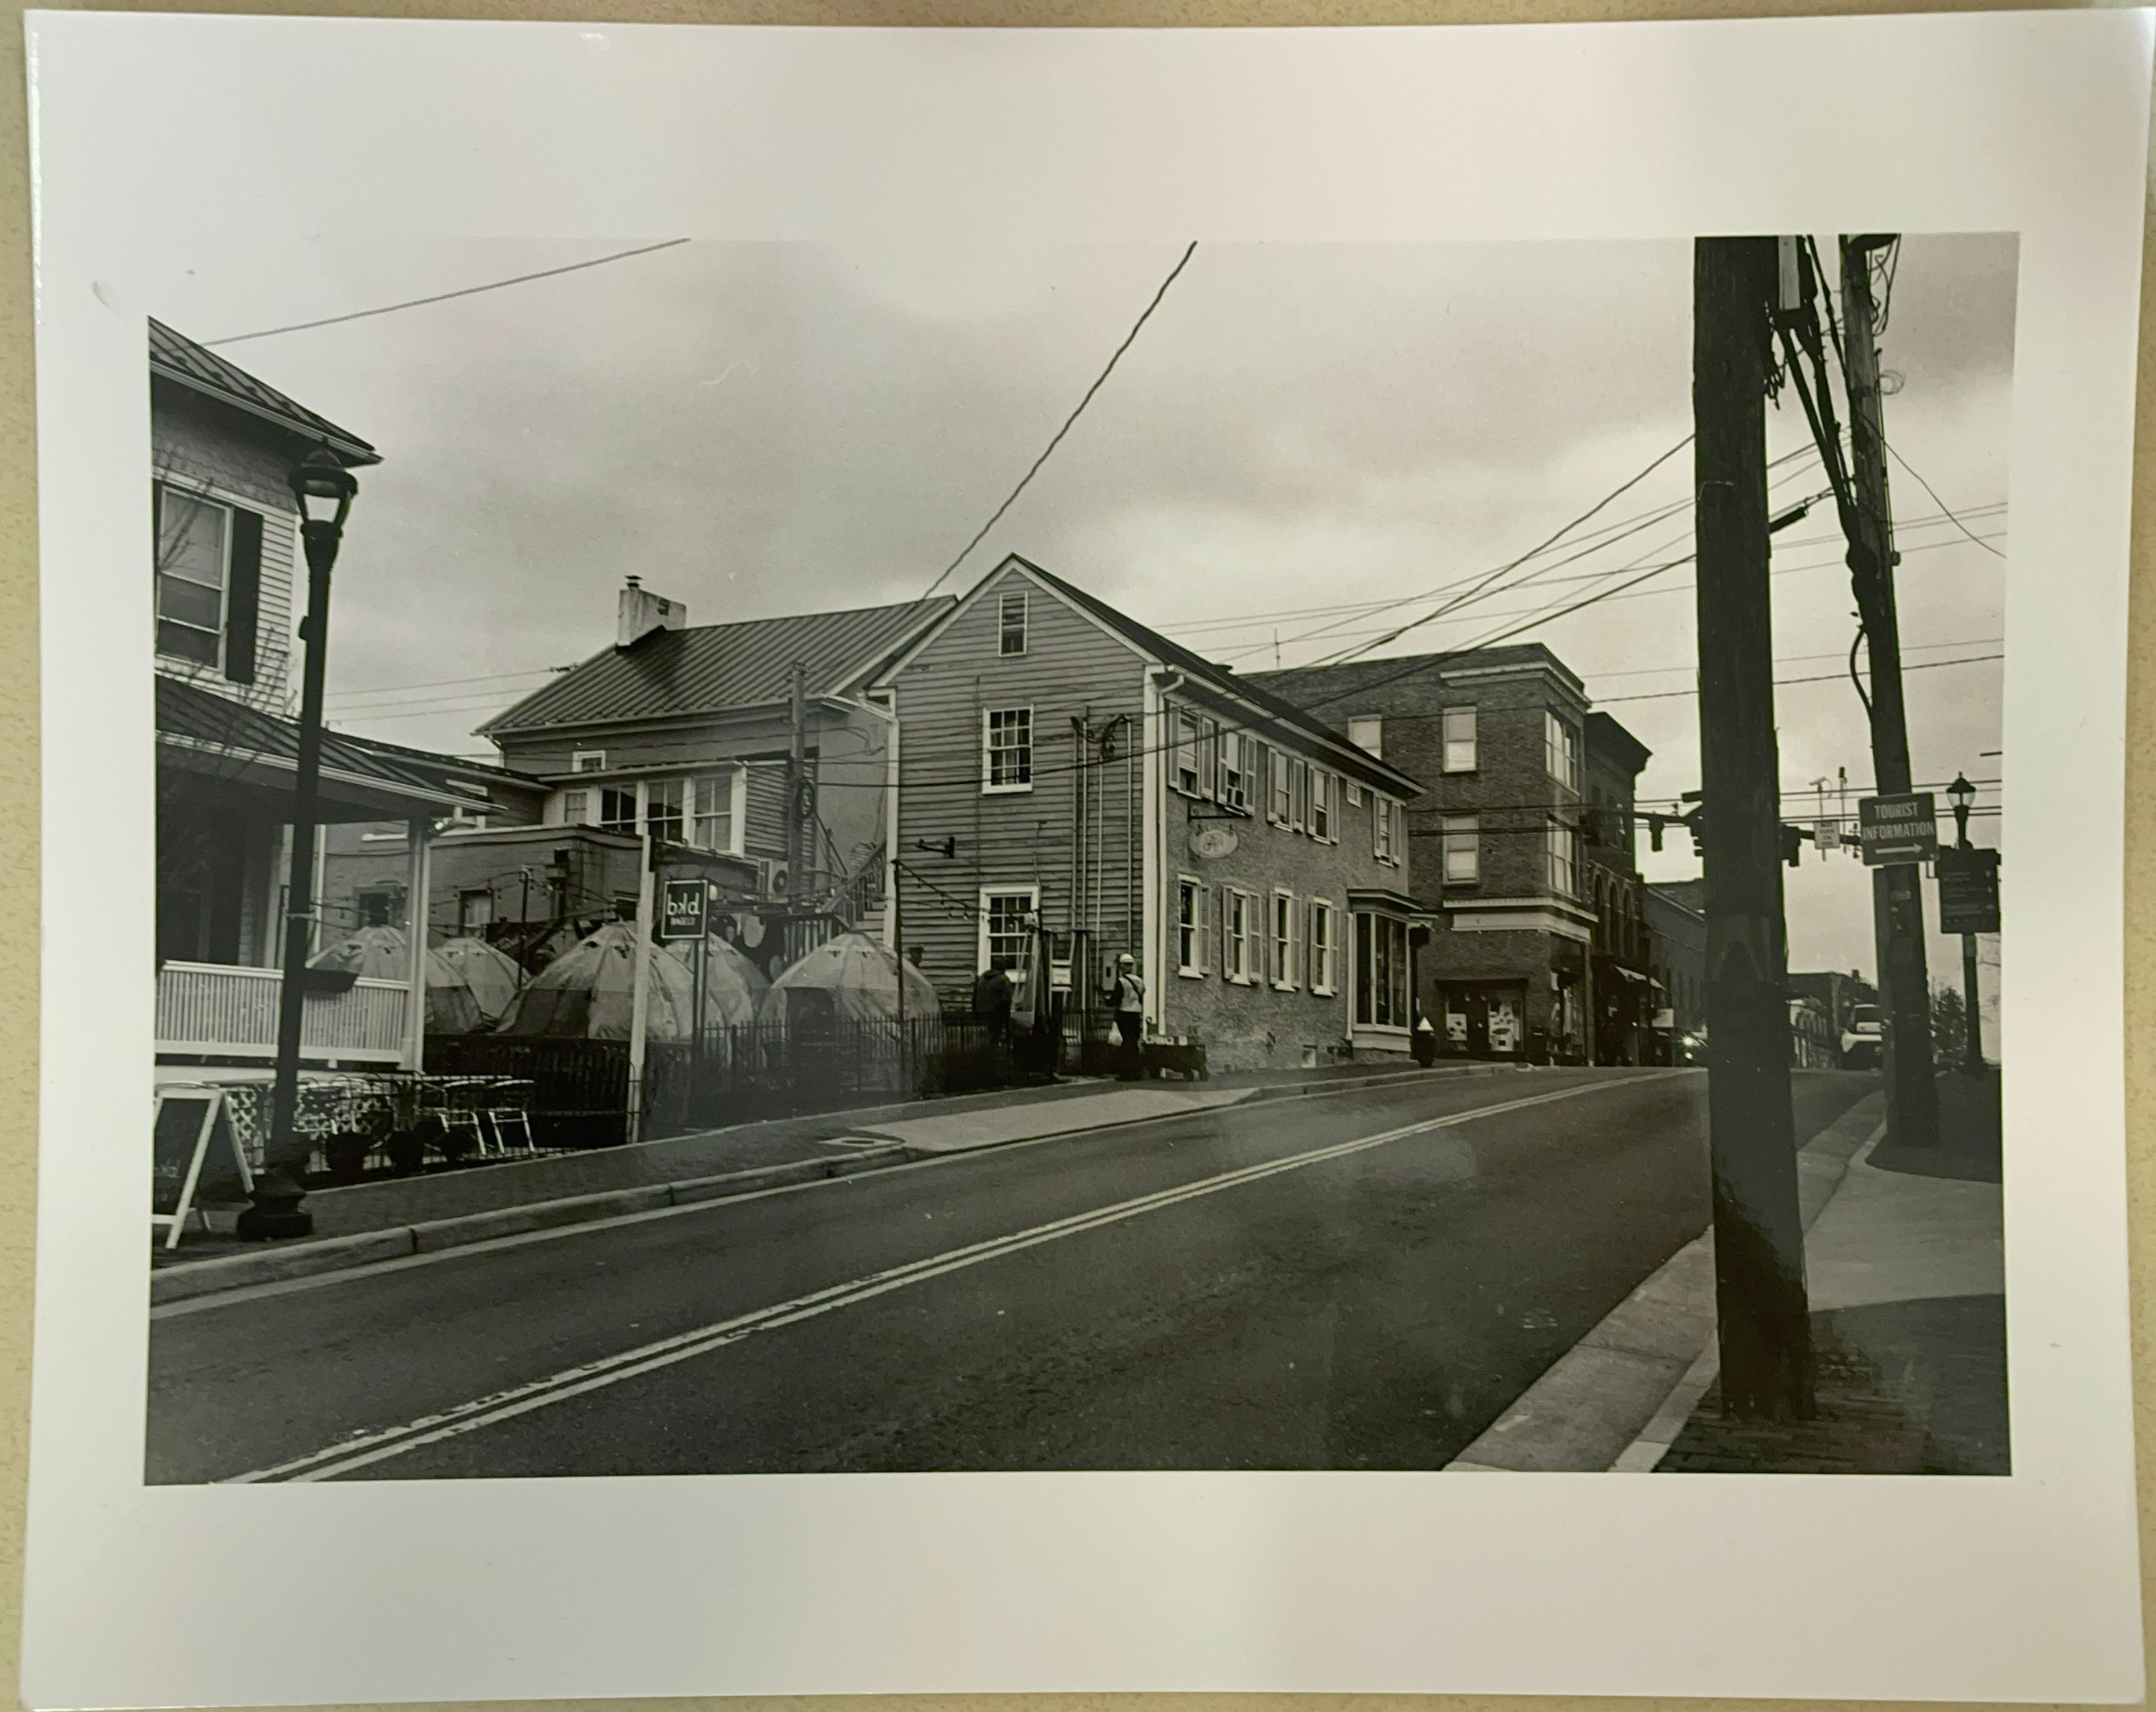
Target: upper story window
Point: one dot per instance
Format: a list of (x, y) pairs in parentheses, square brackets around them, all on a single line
[(1283, 798), (1563, 845), (716, 821), (1460, 740), (208, 582), (1561, 751), (1010, 628), (1385, 829), (1007, 748), (588, 761), (1463, 850), (1368, 732), (703, 811), (1189, 779), (1320, 806), (1232, 789), (665, 809), (617, 810)]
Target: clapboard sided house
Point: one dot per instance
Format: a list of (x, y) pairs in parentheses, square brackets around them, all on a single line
[(1062, 767), (226, 529)]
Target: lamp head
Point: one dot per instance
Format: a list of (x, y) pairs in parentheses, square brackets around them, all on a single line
[(1961, 793), (323, 488)]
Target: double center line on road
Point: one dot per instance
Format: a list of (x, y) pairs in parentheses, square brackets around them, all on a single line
[(364, 1449)]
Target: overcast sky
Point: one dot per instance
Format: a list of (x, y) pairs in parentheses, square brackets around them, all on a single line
[(763, 429)]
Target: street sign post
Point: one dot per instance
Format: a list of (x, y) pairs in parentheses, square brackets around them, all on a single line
[(1969, 890), (682, 913), (1894, 831)]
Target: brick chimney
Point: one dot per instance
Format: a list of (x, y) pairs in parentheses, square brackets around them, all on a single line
[(640, 612)]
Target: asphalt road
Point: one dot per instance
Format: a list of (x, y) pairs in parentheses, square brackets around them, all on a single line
[(1294, 1284)]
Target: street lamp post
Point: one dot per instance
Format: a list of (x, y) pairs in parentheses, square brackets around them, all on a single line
[(1962, 794), (324, 489)]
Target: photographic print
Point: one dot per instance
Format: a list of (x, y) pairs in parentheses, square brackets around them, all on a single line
[(1266, 892), (1229, 971)]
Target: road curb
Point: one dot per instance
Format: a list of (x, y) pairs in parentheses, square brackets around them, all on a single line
[(1596, 1406), (237, 1272)]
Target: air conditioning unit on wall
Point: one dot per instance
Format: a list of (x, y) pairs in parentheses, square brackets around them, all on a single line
[(775, 879)]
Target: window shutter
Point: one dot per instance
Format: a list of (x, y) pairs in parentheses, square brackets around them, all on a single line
[(1202, 919), (242, 605)]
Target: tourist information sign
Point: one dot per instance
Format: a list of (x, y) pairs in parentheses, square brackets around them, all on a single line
[(1894, 830)]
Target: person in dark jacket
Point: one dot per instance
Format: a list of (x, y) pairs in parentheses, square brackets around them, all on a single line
[(992, 1000), (1126, 996)]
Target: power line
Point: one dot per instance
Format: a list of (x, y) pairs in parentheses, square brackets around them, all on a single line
[(331, 320), (1832, 677), (1942, 506), (943, 575)]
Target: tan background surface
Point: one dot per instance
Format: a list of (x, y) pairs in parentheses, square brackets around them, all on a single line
[(18, 709)]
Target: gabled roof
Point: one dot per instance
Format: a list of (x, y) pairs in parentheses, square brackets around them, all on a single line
[(1222, 680), (204, 719), (176, 357), (711, 669)]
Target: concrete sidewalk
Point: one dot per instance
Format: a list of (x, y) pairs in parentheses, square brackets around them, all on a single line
[(1908, 1297), (370, 1222)]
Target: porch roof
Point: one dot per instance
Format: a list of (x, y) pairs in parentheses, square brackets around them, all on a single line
[(206, 733)]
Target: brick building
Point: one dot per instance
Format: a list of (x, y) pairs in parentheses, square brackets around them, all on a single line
[(1677, 925), (1625, 993), (1062, 769), (1499, 738)]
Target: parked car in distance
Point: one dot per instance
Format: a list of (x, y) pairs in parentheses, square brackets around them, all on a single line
[(1861, 1038)]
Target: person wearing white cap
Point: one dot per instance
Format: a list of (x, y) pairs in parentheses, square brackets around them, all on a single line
[(1127, 997)]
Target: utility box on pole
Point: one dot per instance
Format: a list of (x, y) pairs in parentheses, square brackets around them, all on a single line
[(1762, 1314)]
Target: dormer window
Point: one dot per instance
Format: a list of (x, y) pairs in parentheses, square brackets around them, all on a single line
[(1011, 625), (588, 761)]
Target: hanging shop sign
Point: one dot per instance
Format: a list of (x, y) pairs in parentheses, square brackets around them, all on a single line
[(681, 913)]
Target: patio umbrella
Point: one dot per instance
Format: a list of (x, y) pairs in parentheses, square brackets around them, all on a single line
[(465, 992), (588, 992), (849, 978)]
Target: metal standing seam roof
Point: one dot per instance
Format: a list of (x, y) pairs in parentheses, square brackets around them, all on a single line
[(179, 358), (1220, 677), (196, 715), (707, 669)]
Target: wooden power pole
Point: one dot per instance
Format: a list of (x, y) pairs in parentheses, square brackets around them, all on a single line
[(1761, 1312), (1913, 1111)]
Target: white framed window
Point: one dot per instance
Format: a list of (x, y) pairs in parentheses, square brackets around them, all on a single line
[(717, 809), (1189, 926), (1006, 748), (1324, 948), (667, 810), (1563, 846), (1238, 932), (1462, 836), (1232, 789), (1460, 755), (1187, 779), (1007, 915), (572, 808), (193, 576), (1010, 622), (1321, 804), (474, 911), (1561, 751), (1299, 813), (1367, 731), (1281, 796), (1354, 792), (588, 761), (1286, 942), (1384, 828), (617, 810)]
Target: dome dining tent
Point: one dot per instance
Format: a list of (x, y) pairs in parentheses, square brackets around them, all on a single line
[(734, 987), (588, 992), (469, 984), (851, 979)]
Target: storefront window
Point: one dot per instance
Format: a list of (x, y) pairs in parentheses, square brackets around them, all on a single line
[(1381, 971)]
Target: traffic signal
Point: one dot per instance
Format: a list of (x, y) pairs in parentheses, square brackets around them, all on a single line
[(1653, 831), (1793, 845)]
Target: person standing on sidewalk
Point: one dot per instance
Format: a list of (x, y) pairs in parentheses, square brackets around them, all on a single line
[(992, 1000), (1127, 999)]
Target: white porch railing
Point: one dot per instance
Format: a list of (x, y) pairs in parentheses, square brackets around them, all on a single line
[(219, 1009)]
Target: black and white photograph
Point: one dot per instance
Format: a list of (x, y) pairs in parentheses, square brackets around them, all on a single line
[(930, 861), (1423, 892)]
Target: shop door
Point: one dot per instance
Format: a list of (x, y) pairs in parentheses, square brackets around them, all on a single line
[(1477, 1006)]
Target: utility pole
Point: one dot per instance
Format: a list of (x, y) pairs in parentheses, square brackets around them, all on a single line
[(800, 804), (1761, 1312), (1912, 1112), (640, 1002)]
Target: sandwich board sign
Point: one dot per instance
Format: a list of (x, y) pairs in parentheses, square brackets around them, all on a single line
[(1897, 830), (1969, 890), (195, 1156), (681, 914)]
